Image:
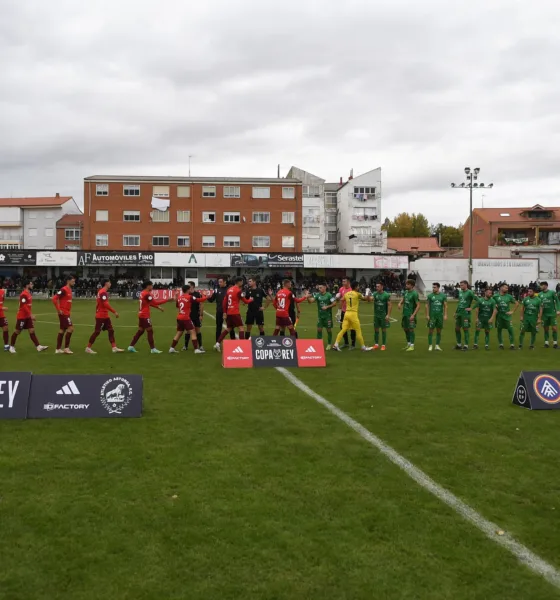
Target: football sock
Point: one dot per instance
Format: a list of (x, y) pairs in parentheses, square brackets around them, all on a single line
[(199, 338), (92, 338), (467, 337), (67, 339), (521, 338), (487, 337), (195, 344), (151, 342), (430, 338), (458, 336), (14, 338), (500, 337), (6, 337), (241, 335), (533, 338), (554, 336), (412, 336), (136, 337), (329, 337), (34, 339), (384, 337), (546, 334), (376, 336), (59, 341), (438, 338), (223, 336), (174, 343), (111, 337), (510, 334), (319, 334), (476, 335)]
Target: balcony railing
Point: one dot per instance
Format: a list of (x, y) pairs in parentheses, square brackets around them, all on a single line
[(356, 217), (311, 220)]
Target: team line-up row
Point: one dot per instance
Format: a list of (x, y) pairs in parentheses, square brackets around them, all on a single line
[(536, 308)]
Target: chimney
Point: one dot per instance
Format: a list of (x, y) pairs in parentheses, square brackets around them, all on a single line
[(340, 183), (57, 195), (351, 175)]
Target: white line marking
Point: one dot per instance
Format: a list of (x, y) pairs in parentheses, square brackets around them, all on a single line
[(521, 552)]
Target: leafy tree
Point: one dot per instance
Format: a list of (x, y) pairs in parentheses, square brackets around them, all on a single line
[(408, 225), (451, 237)]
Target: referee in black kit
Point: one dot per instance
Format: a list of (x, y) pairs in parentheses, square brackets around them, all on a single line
[(255, 310), (218, 297), (196, 317)]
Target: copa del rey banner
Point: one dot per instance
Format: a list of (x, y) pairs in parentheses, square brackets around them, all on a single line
[(273, 351), (173, 293)]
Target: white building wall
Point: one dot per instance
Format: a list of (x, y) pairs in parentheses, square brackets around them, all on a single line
[(39, 225), (11, 232), (313, 214)]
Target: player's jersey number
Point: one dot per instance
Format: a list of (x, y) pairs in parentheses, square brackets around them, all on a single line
[(282, 302)]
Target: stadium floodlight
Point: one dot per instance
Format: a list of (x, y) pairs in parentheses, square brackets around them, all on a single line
[(480, 185), (490, 185), (475, 184), (477, 170), (453, 185), (463, 184), (467, 170)]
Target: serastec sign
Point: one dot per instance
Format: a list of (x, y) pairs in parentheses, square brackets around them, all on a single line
[(130, 259), (285, 260)]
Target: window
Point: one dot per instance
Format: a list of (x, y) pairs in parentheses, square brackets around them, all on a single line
[(49, 232), (208, 241), (102, 239), (131, 215), (49, 215), (288, 193), (160, 216), (330, 220), (261, 217), (232, 217), (288, 241), (208, 217), (232, 241), (131, 190), (261, 241), (73, 234), (288, 217), (183, 241), (312, 191), (364, 193), (261, 192), (102, 189), (160, 240), (160, 191), (331, 236), (101, 215), (32, 214), (232, 191), (32, 232), (183, 216), (208, 191), (131, 240), (183, 191)]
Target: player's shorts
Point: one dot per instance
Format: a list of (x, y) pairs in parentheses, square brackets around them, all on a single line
[(65, 321), (463, 321), (196, 321), (503, 322), (144, 323), (22, 324), (3, 322), (254, 317), (234, 321), (103, 324), (549, 321), (406, 323), (483, 324), (351, 322), (184, 325), (529, 326), (435, 322), (380, 323), (324, 321), (283, 322)]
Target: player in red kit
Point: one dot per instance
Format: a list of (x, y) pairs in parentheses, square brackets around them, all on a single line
[(62, 301), (230, 306), (25, 318), (147, 302), (184, 322), (102, 320), (282, 302), (4, 321)]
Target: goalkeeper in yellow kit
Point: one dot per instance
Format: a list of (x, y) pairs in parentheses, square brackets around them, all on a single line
[(351, 321)]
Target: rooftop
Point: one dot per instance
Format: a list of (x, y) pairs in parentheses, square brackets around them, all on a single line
[(156, 179), (492, 215), (70, 220), (35, 202), (414, 244)]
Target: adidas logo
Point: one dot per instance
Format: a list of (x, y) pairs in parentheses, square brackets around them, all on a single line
[(70, 389), (238, 350), (311, 350)]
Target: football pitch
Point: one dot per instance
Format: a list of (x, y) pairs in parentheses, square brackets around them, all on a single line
[(238, 484)]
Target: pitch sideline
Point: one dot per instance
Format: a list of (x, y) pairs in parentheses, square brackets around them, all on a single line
[(521, 552)]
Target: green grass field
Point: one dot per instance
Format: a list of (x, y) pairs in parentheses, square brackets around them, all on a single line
[(237, 485)]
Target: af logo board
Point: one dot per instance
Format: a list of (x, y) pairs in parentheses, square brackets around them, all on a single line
[(14, 392), (538, 390), (85, 396), (274, 351), (237, 354)]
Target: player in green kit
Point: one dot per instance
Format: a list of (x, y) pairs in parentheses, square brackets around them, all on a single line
[(551, 308), (410, 303), (503, 320), (531, 315), (463, 315), (436, 314), (486, 313), (382, 315), (325, 302)]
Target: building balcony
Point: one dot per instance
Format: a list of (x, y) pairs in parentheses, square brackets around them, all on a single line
[(362, 217), (311, 220)]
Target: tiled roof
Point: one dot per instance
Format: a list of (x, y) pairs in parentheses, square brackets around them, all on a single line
[(31, 202), (70, 220)]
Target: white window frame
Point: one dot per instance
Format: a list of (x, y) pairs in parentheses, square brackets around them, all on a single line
[(289, 218), (74, 237), (208, 243), (32, 232), (285, 241), (49, 232), (131, 213), (183, 216), (162, 237), (131, 190), (208, 191), (49, 215), (312, 191), (160, 216), (127, 237), (186, 238), (232, 191), (259, 219), (261, 192), (258, 238), (206, 216), (232, 217), (101, 240), (232, 241), (99, 214), (101, 189), (162, 193), (288, 193)]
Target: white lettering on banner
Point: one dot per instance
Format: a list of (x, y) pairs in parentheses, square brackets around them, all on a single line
[(318, 261), (274, 354), (12, 390), (504, 263), (51, 406)]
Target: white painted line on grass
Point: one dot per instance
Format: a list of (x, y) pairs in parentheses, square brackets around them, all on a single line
[(522, 553)]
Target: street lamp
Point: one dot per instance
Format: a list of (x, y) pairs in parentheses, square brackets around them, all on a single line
[(471, 177)]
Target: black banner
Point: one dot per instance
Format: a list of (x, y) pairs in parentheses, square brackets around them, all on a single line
[(85, 396), (258, 261), (285, 260), (128, 259), (538, 390), (18, 257), (274, 351), (14, 392)]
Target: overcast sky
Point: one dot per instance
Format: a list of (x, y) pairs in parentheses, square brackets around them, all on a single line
[(421, 89)]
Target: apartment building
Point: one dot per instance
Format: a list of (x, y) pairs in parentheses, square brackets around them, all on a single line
[(31, 223), (196, 214), (69, 232)]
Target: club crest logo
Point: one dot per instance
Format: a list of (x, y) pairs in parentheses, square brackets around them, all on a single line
[(259, 342), (521, 394), (116, 394), (547, 388), (287, 342)]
